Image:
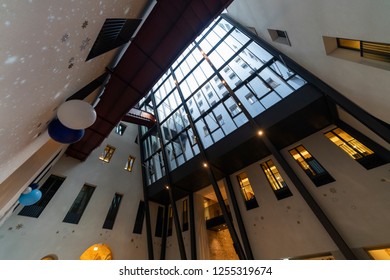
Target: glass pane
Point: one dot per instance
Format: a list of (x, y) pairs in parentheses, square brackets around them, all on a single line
[(270, 100)]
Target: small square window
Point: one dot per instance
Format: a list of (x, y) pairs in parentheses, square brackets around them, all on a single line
[(120, 128), (107, 153), (279, 36)]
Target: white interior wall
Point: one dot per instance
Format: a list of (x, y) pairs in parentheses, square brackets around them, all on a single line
[(307, 21), (356, 203), (49, 235)]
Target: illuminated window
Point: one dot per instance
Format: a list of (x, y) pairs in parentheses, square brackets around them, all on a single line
[(276, 181), (311, 166), (379, 253), (247, 191), (354, 148), (370, 50), (185, 214), (130, 163), (120, 128), (107, 154)]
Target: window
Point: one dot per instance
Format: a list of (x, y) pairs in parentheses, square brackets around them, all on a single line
[(354, 148), (251, 98), (372, 54), (279, 36), (200, 103), (170, 220), (311, 166), (379, 253), (159, 222), (234, 110), (139, 220), (130, 163), (205, 131), (370, 50), (271, 83), (247, 191), (276, 181), (48, 190), (220, 120), (107, 154), (113, 211), (210, 94), (185, 214), (77, 209), (120, 128)]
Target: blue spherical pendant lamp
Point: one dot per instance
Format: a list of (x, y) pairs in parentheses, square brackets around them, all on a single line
[(61, 133), (30, 198)]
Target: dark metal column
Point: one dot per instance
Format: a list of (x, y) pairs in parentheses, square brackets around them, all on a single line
[(164, 236), (177, 225), (192, 226), (149, 237), (169, 184), (240, 223), (326, 223)]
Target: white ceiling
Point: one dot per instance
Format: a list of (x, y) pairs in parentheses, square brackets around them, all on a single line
[(43, 49)]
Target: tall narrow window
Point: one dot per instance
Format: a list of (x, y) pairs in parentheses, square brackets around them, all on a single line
[(159, 222), (113, 211), (107, 154), (170, 220), (311, 166), (354, 148), (139, 220), (130, 163), (247, 191), (276, 181), (185, 214), (77, 209), (48, 189)]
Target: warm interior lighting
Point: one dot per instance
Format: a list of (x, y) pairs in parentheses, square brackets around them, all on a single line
[(260, 132), (205, 165), (97, 252), (167, 187)]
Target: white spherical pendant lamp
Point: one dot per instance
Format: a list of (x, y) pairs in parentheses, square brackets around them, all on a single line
[(76, 114)]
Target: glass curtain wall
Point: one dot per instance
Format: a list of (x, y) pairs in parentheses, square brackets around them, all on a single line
[(220, 62)]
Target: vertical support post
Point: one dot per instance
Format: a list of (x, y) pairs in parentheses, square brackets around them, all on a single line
[(321, 216), (177, 225), (192, 226), (232, 231), (149, 237), (240, 223), (164, 236)]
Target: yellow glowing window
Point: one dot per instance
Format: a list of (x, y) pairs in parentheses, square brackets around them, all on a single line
[(370, 50), (274, 178), (130, 163), (348, 144), (348, 44), (379, 254), (107, 154), (246, 188), (247, 191)]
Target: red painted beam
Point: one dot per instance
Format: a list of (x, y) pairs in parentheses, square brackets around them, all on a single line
[(169, 29)]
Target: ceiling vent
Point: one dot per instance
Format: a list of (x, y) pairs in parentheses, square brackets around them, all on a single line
[(114, 33)]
